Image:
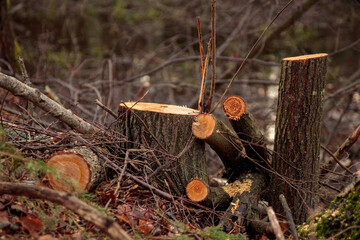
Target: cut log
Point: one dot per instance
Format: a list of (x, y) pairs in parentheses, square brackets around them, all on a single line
[(76, 170), (220, 197), (214, 197), (197, 190), (246, 128), (222, 140), (165, 130), (297, 137)]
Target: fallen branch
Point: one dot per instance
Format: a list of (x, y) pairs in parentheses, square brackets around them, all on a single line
[(45, 103), (342, 150), (69, 201), (275, 224)]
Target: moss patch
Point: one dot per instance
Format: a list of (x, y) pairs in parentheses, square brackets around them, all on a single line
[(342, 215)]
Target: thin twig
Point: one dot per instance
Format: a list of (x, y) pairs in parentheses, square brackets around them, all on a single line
[(345, 48), (29, 105), (248, 55), (39, 99), (213, 56), (110, 91), (201, 63), (336, 159), (200, 45), (343, 231), (123, 172), (203, 79), (289, 216), (191, 58), (108, 110)]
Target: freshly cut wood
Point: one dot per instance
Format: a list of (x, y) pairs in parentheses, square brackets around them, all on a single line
[(234, 107), (165, 130), (297, 134), (220, 197), (245, 193), (197, 190), (246, 128), (76, 170), (224, 142)]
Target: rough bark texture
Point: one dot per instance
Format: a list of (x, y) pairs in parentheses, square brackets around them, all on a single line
[(246, 194), (246, 128), (223, 141), (166, 130), (297, 137), (7, 38)]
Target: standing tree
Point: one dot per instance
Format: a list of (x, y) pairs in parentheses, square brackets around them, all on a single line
[(7, 39), (297, 137)]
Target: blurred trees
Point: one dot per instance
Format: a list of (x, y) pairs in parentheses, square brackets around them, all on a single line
[(94, 42)]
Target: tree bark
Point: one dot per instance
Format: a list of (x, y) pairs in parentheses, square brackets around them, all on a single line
[(166, 130), (224, 142), (245, 194), (297, 137), (7, 38), (246, 128)]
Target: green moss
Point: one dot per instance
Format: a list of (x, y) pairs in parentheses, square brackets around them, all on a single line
[(344, 212)]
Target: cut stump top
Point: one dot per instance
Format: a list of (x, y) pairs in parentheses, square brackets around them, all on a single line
[(234, 107), (306, 57), (73, 168), (197, 190), (204, 126), (160, 108)]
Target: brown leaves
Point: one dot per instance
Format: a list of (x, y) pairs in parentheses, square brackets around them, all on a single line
[(142, 219)]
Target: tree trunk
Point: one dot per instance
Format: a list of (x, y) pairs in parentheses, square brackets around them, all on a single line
[(7, 39), (297, 137), (165, 130)]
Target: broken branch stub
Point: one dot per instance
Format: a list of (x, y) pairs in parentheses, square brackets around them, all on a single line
[(246, 128), (222, 140)]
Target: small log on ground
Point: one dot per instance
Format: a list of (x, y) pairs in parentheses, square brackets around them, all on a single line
[(246, 194), (214, 197), (220, 197), (222, 140), (75, 170), (246, 128), (297, 137), (166, 130)]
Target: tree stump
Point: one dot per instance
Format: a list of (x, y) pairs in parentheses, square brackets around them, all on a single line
[(297, 137), (165, 130)]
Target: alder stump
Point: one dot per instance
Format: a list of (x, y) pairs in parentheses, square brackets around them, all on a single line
[(297, 134), (166, 131)]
